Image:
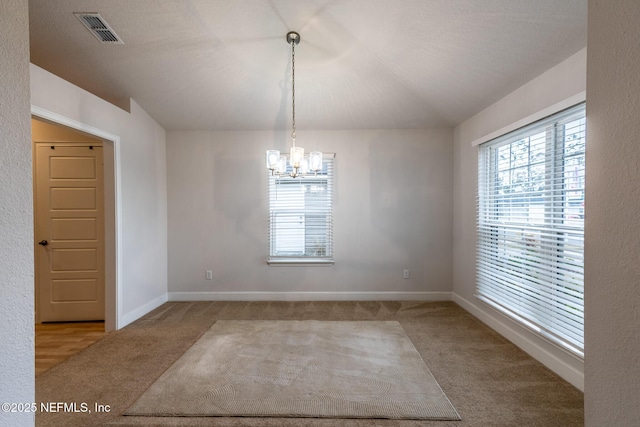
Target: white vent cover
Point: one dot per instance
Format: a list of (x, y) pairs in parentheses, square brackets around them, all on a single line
[(99, 27)]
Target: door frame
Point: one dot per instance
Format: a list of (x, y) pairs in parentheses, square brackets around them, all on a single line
[(112, 211)]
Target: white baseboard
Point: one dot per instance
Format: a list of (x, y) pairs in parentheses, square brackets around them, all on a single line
[(309, 296), (566, 365), (142, 310)]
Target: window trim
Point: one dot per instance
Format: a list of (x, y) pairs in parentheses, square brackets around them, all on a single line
[(300, 262), (549, 111), (483, 260), (304, 261)]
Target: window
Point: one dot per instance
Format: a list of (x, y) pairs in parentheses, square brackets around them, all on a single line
[(531, 226), (301, 217)]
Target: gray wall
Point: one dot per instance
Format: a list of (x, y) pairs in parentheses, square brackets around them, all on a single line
[(612, 229), (393, 210), (16, 215), (555, 85), (142, 189)]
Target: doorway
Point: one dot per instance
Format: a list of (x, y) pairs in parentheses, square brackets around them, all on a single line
[(75, 223)]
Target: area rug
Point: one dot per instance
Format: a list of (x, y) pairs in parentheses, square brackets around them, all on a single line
[(309, 368)]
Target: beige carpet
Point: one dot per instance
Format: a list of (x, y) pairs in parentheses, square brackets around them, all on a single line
[(490, 381), (310, 368)]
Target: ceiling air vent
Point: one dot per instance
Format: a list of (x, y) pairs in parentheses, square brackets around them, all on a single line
[(99, 27)]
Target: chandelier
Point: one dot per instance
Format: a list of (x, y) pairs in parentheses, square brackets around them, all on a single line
[(299, 163)]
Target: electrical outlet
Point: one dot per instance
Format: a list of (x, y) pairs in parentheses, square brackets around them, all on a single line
[(405, 274), (208, 275)]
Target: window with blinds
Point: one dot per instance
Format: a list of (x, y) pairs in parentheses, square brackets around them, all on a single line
[(301, 217), (530, 204)]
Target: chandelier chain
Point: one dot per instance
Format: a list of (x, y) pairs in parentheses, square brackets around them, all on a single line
[(300, 164), (293, 89)]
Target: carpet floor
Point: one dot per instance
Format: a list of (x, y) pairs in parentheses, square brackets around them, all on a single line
[(489, 380)]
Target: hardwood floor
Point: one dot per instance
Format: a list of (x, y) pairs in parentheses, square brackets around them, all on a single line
[(56, 342)]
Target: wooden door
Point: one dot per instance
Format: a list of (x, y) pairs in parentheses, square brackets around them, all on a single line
[(69, 232)]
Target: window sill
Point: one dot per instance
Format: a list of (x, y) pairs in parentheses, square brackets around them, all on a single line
[(300, 262)]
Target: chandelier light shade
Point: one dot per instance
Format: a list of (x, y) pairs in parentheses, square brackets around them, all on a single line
[(315, 160), (300, 165), (297, 156), (273, 158)]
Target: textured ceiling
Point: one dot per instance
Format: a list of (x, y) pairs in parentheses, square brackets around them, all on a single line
[(209, 64)]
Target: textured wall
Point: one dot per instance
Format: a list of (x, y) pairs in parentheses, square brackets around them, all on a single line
[(16, 214), (392, 211), (612, 229)]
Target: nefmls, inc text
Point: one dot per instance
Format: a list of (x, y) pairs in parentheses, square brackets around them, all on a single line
[(75, 407)]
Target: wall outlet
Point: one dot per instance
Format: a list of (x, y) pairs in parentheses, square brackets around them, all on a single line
[(405, 274), (208, 275)]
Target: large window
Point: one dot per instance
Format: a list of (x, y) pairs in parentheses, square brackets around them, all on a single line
[(531, 226), (301, 217)]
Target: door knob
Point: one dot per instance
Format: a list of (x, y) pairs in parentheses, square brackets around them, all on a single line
[(43, 242)]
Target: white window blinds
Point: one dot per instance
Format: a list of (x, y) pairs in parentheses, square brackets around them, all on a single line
[(301, 217), (531, 226)]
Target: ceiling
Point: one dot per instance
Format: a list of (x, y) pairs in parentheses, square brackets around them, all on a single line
[(361, 64)]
